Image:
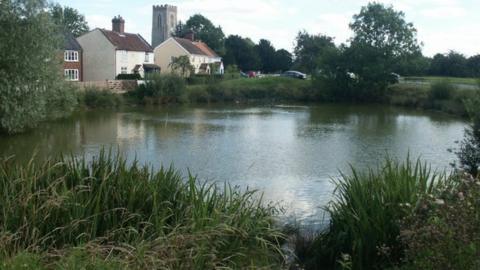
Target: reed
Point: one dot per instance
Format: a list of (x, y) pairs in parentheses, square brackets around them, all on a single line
[(365, 216), (129, 214)]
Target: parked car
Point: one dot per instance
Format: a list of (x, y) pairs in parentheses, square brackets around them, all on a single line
[(252, 74), (394, 78), (243, 75), (295, 74)]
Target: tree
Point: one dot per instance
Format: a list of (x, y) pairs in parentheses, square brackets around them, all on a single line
[(205, 31), (241, 52), (283, 60), (469, 153), (308, 50), (32, 87), (452, 64), (69, 20), (182, 65), (266, 53), (473, 64)]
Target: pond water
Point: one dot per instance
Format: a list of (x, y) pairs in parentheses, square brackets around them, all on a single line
[(291, 153)]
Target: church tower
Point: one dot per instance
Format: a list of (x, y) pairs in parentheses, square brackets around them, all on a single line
[(164, 22)]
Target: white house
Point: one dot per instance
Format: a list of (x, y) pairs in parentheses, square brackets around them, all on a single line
[(201, 56), (107, 54)]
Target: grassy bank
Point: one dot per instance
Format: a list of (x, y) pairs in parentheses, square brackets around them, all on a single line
[(270, 88), (433, 79), (441, 96), (70, 214)]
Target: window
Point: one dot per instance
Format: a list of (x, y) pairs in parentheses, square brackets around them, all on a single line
[(71, 74), (147, 58), (124, 70), (71, 56)]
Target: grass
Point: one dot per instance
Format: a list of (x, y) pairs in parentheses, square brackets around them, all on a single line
[(99, 98), (364, 227), (432, 79), (106, 212), (269, 88)]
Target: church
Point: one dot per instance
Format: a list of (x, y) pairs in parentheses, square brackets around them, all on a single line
[(166, 47)]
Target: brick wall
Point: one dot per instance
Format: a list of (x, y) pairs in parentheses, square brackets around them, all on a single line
[(75, 65), (116, 86)]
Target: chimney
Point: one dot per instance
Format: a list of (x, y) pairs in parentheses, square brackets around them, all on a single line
[(118, 24), (190, 35)]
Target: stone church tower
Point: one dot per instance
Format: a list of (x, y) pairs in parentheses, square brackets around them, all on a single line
[(164, 22)]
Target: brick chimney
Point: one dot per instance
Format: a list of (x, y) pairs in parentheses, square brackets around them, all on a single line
[(118, 24), (190, 35)]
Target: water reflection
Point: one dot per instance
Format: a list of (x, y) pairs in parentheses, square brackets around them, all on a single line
[(289, 152)]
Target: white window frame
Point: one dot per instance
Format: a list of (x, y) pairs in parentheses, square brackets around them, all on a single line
[(147, 57), (124, 70), (72, 75), (71, 56)]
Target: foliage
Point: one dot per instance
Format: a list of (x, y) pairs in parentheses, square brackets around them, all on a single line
[(99, 98), (441, 90), (310, 49), (283, 60), (452, 64), (232, 72), (469, 153), (129, 215), (241, 52), (69, 20), (365, 215), (205, 31), (266, 52), (161, 88), (30, 97), (133, 76), (182, 66), (443, 232), (363, 70)]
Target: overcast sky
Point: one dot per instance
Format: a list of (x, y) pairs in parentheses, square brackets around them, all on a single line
[(442, 25)]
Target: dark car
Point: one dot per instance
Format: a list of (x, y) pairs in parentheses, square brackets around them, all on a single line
[(295, 74)]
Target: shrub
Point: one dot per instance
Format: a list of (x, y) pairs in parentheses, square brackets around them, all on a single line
[(365, 215), (444, 231), (130, 214), (134, 76), (162, 88), (94, 97), (441, 90), (469, 153)]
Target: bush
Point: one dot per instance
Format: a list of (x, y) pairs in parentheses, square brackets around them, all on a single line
[(469, 153), (100, 98), (365, 214), (162, 88), (444, 231), (441, 90), (130, 215), (134, 76)]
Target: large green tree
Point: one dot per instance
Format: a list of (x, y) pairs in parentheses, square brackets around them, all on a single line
[(31, 84), (69, 20), (241, 52), (283, 60), (266, 52), (207, 32), (309, 50)]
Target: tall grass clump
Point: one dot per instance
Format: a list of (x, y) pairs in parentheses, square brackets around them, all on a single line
[(131, 216), (160, 89), (441, 90), (94, 98), (365, 214)]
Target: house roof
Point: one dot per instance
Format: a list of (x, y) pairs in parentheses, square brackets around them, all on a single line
[(196, 47), (70, 43), (127, 41)]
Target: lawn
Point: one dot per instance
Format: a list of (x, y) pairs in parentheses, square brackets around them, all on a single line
[(431, 79)]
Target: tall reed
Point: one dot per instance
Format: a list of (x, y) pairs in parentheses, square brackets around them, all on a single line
[(148, 219), (365, 214)]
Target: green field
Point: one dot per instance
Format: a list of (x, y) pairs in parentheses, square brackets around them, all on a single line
[(431, 79)]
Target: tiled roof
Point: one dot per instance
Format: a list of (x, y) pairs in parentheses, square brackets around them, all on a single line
[(127, 41), (204, 47), (70, 43), (198, 48)]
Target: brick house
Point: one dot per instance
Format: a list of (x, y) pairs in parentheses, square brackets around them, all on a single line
[(72, 59)]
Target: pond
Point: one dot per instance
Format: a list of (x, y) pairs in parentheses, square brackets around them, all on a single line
[(291, 153)]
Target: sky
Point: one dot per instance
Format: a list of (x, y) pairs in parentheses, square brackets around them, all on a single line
[(442, 25)]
